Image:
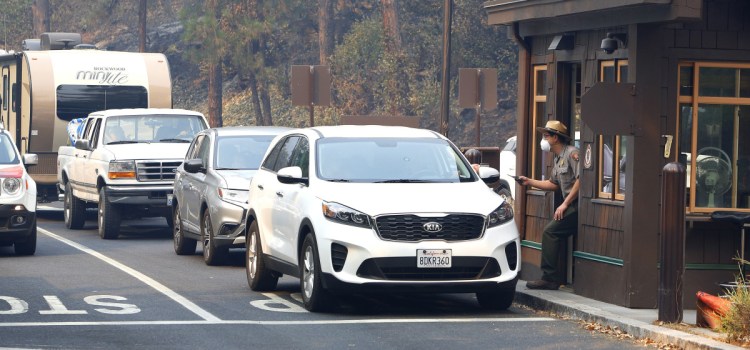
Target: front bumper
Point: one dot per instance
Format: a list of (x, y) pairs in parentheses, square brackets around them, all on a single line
[(357, 258), (151, 195), (228, 221), (16, 222)]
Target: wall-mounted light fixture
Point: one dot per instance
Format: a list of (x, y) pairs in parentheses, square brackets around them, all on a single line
[(613, 41)]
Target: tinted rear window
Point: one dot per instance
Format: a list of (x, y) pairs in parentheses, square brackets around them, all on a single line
[(77, 101)]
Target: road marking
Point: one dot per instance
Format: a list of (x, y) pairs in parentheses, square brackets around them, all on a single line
[(141, 277), (281, 323)]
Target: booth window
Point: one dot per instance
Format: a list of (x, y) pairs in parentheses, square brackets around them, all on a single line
[(714, 124), (612, 148), (539, 118)]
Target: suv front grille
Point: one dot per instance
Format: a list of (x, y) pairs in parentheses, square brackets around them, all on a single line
[(411, 228), (156, 170)]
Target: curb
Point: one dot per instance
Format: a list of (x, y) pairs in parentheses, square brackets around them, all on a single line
[(547, 301)]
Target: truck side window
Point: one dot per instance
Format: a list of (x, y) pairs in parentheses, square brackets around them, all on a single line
[(94, 138)]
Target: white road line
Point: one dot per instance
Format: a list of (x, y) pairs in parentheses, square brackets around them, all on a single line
[(143, 278), (281, 323)]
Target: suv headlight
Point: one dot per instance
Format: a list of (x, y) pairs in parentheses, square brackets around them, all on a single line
[(233, 196), (345, 215), (502, 214), (11, 185), (122, 170)]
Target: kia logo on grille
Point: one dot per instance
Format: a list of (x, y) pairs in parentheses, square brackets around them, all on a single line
[(432, 227)]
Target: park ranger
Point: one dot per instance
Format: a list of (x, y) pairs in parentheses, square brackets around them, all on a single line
[(555, 139)]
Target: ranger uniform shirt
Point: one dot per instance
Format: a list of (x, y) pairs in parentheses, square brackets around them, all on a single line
[(565, 170)]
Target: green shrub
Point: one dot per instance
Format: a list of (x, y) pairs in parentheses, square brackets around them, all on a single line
[(736, 322)]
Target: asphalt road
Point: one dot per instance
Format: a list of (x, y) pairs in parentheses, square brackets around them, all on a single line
[(82, 292)]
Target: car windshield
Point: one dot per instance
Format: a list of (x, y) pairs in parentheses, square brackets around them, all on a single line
[(391, 160), (8, 153), (152, 128), (241, 152)]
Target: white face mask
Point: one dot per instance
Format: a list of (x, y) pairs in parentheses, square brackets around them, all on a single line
[(545, 145)]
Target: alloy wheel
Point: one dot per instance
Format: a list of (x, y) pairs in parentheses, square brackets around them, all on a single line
[(308, 272)]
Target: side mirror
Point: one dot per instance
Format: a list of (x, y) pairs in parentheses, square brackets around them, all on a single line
[(194, 166), (30, 159), (291, 175), (489, 175), (83, 145)]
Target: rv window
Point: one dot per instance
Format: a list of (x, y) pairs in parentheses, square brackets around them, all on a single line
[(5, 90), (76, 101)]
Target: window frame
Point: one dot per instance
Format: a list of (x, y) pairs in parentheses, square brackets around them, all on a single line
[(618, 64), (537, 160), (695, 100)]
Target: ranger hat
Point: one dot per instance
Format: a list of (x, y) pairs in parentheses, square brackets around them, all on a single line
[(555, 127)]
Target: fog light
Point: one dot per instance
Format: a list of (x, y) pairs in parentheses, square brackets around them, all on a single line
[(17, 220), (19, 208)]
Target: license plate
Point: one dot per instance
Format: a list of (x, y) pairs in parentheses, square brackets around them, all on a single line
[(169, 199), (433, 258)]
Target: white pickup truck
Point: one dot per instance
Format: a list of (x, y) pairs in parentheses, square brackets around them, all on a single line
[(124, 161)]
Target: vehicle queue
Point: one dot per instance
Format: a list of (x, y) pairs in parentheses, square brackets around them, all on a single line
[(344, 209)]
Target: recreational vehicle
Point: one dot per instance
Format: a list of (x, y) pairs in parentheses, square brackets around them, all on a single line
[(46, 86)]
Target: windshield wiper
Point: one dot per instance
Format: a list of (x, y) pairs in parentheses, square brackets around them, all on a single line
[(338, 180), (227, 168), (121, 142), (402, 181), (175, 140)]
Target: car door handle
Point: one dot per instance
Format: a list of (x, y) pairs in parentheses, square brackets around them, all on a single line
[(260, 187), (279, 194)]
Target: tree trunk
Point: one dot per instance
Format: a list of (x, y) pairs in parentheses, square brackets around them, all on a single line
[(390, 25), (40, 12), (142, 26), (325, 30), (214, 95), (256, 100), (265, 99)]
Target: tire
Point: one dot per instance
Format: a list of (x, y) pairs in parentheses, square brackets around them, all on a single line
[(182, 244), (259, 278), (27, 247), (74, 210), (497, 300), (212, 254), (314, 296), (108, 217)]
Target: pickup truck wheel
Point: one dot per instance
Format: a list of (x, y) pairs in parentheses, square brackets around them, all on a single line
[(108, 218), (74, 210), (259, 277), (212, 254), (27, 247), (182, 244)]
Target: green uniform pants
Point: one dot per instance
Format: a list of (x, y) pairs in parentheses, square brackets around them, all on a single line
[(554, 234)]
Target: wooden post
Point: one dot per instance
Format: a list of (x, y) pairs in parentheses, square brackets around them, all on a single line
[(672, 243)]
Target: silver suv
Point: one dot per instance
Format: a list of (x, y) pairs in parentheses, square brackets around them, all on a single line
[(17, 198), (211, 187)]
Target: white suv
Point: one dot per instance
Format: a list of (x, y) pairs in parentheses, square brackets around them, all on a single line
[(376, 208), (17, 198)]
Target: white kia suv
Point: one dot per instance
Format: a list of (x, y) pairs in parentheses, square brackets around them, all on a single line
[(377, 209)]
